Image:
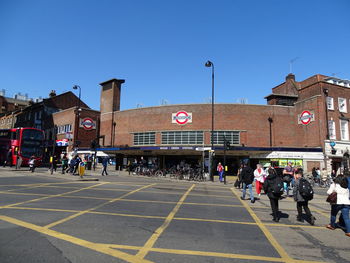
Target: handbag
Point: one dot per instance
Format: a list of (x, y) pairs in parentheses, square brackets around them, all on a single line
[(287, 178), (332, 198)]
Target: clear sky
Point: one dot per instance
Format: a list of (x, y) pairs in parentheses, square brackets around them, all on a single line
[(160, 46)]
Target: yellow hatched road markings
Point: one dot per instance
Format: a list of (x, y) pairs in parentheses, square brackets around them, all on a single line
[(312, 208), (152, 240), (111, 249), (51, 196), (266, 232), (163, 217), (80, 242), (96, 207), (211, 254)]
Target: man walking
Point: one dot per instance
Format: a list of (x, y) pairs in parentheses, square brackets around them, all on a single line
[(104, 164), (300, 197), (247, 179)]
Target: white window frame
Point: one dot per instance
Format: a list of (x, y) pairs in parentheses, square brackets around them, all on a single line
[(344, 132), (330, 103), (331, 130), (342, 105)]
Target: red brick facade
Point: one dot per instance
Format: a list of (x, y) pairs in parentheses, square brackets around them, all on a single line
[(284, 106)]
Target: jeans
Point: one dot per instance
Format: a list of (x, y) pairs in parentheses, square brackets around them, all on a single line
[(220, 176), (250, 186), (345, 212)]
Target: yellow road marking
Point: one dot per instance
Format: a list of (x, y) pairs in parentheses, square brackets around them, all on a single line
[(163, 217), (80, 242), (210, 254), (96, 207), (312, 208), (51, 196), (152, 240), (264, 229)]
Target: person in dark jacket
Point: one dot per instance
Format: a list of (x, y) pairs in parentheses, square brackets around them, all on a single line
[(247, 176), (104, 164), (274, 197), (301, 202)]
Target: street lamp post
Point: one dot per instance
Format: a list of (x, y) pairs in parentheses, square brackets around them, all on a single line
[(211, 64), (270, 122), (77, 113)]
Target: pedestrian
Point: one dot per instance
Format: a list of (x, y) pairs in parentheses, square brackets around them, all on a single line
[(273, 187), (342, 203), (76, 163), (288, 174), (238, 182), (104, 164), (247, 179), (54, 163), (259, 177), (8, 159), (64, 163), (32, 164), (71, 164), (301, 198), (220, 170)]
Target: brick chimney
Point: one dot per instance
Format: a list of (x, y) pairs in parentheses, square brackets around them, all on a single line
[(110, 95)]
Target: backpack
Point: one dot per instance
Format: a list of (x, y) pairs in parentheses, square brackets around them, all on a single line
[(277, 186), (305, 189)]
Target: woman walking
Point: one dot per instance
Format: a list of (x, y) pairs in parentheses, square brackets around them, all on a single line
[(259, 177), (343, 203)]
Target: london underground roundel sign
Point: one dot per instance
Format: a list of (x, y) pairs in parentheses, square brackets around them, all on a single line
[(88, 124), (306, 117), (181, 117)]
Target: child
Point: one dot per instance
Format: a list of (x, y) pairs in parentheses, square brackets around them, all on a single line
[(301, 201)]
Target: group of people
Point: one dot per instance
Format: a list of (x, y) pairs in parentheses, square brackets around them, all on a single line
[(274, 186), (72, 165)]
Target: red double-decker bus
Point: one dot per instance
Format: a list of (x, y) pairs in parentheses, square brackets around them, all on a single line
[(23, 142)]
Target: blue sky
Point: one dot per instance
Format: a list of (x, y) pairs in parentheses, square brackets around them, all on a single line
[(159, 47)]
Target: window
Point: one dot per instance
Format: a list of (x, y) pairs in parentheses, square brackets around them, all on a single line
[(182, 137), (64, 128), (144, 138), (344, 130), (342, 105), (231, 136), (330, 103), (331, 126)]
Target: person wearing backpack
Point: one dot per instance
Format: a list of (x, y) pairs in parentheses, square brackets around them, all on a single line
[(273, 187), (303, 193)]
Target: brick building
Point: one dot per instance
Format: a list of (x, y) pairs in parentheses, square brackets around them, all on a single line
[(19, 101), (44, 115), (71, 133), (305, 122)]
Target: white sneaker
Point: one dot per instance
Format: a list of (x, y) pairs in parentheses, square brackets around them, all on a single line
[(259, 195)]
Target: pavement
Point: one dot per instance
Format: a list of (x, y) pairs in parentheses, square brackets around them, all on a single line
[(48, 217)]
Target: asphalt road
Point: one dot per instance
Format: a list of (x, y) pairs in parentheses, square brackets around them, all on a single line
[(120, 218)]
